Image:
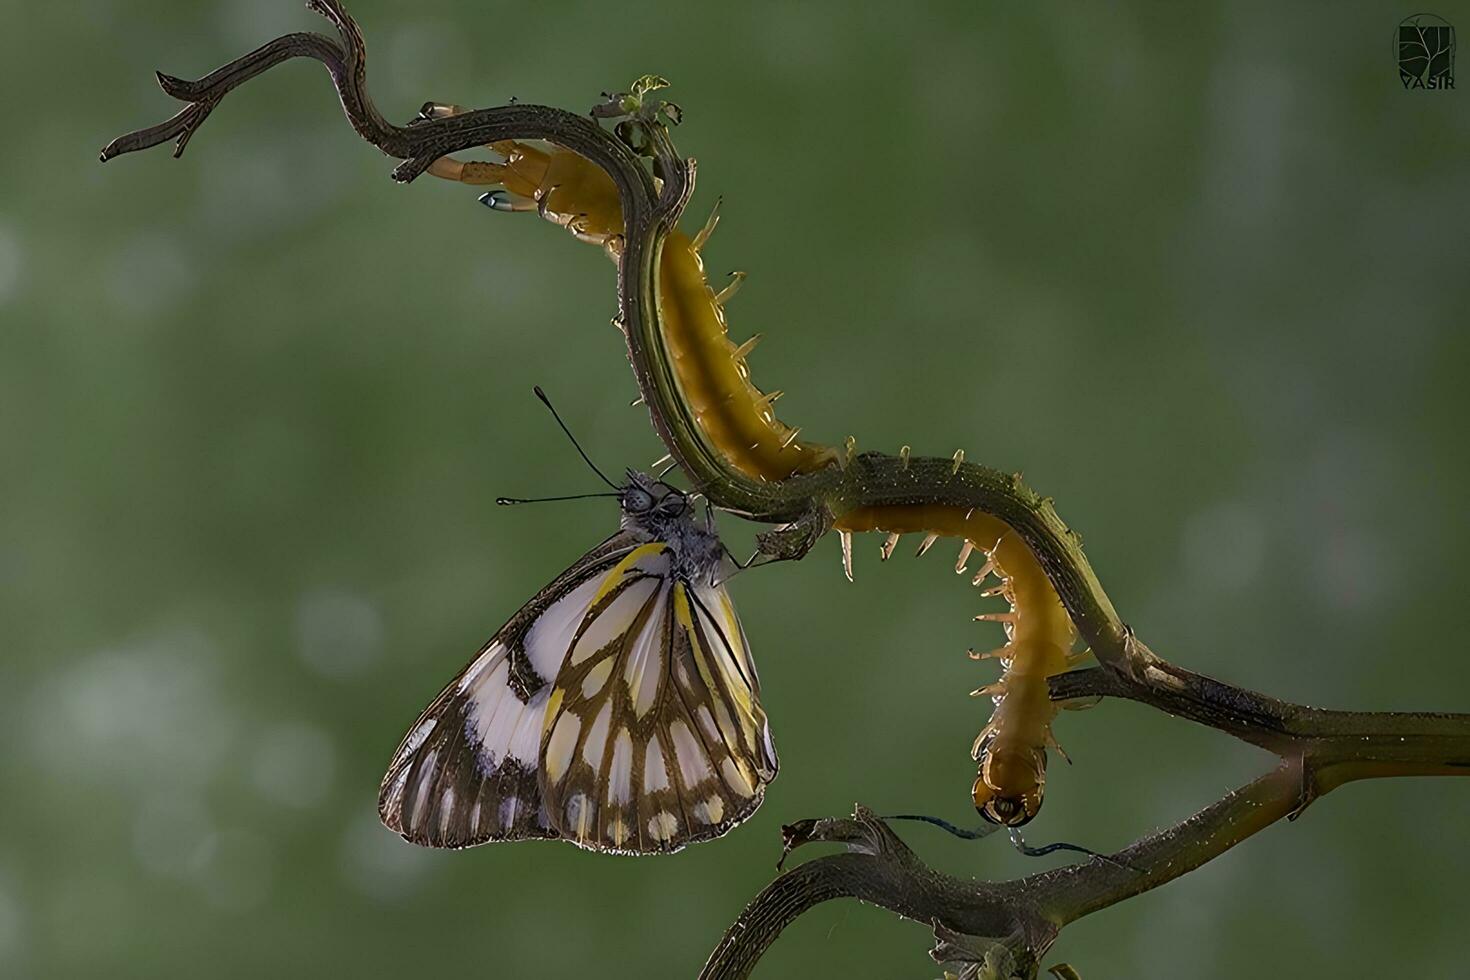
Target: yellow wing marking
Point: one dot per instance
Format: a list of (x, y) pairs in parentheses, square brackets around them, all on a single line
[(681, 607), (736, 686), (553, 705), (686, 620), (733, 631), (616, 575)]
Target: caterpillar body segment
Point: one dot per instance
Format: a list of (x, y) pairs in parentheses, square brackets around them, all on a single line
[(710, 369), (1011, 748), (715, 379), (558, 184)]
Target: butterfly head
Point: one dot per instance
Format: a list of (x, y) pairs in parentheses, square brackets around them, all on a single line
[(655, 511), (652, 506)]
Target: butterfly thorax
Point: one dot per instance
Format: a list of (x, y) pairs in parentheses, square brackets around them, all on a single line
[(654, 511)]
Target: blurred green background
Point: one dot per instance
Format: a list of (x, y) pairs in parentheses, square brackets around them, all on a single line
[(1201, 276)]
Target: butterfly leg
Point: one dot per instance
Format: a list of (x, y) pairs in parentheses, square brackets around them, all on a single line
[(794, 540), (756, 560)]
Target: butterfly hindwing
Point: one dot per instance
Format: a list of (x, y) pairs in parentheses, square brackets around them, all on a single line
[(720, 649), (469, 770)]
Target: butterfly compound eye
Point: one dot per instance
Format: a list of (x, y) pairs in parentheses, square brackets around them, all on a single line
[(674, 504), (636, 500)]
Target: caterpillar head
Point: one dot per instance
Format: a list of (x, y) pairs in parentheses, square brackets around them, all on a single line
[(1011, 783)]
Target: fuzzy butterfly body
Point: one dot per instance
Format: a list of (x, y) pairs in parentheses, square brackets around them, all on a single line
[(618, 709)]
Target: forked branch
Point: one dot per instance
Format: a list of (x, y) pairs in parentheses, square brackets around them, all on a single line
[(1008, 926)]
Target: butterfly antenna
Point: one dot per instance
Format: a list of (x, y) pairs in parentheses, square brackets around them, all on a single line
[(547, 402), (507, 501)]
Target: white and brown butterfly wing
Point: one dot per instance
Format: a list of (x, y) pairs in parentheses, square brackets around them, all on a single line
[(654, 736), (470, 769), (724, 652)]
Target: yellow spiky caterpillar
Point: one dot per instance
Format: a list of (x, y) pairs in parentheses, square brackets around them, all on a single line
[(1011, 748), (710, 368)]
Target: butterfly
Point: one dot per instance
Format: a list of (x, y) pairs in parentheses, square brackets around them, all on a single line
[(619, 709)]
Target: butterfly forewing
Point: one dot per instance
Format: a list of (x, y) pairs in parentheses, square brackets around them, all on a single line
[(469, 770), (738, 714)]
